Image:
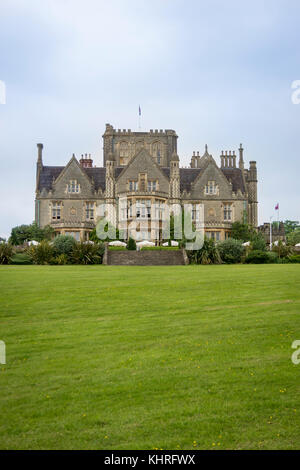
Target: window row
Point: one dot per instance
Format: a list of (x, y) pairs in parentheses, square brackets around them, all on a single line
[(134, 185), (57, 209)]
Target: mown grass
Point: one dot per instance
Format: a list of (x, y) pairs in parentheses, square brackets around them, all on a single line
[(107, 357)]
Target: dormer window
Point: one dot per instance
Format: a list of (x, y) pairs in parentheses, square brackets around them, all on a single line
[(123, 153), (73, 187), (152, 186), (133, 185), (211, 188), (156, 152)]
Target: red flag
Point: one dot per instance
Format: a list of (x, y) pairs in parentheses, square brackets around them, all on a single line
[(277, 206)]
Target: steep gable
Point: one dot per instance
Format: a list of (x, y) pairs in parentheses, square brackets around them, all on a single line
[(211, 172), (72, 171), (142, 163)]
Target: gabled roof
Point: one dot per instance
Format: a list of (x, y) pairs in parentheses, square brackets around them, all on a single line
[(47, 175), (187, 175), (50, 173), (140, 154), (236, 177)]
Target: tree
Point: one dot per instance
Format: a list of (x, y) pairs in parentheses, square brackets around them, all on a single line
[(293, 237), (131, 245), (258, 242), (24, 233), (241, 231), (282, 250), (291, 226)]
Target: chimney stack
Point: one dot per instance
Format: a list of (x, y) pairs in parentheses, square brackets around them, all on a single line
[(40, 153), (241, 160), (86, 161)]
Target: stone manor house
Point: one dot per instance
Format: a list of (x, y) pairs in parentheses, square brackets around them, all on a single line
[(139, 176)]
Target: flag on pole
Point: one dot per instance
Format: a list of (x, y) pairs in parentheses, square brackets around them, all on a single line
[(140, 112), (277, 206)]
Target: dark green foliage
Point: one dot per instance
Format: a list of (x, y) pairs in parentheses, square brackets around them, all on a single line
[(291, 225), (208, 254), (293, 259), (6, 253), (282, 250), (24, 233), (87, 253), (257, 257), (131, 245), (293, 237), (41, 253), (231, 250), (272, 257), (258, 242), (60, 260), (242, 232), (21, 258), (63, 244)]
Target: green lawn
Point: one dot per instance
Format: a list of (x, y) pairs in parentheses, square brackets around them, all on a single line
[(107, 357)]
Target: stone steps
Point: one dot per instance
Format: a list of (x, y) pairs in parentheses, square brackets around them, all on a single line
[(146, 258)]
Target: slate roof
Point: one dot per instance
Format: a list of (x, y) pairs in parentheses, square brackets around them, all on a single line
[(235, 176), (47, 175), (187, 176), (50, 173)]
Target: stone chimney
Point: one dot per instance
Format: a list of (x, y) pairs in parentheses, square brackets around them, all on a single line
[(40, 153)]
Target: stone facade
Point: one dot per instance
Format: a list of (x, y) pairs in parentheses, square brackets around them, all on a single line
[(278, 232), (143, 167)]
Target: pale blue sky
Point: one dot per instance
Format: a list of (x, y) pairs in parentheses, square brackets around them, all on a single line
[(217, 72)]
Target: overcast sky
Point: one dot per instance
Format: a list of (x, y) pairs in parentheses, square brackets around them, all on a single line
[(218, 72)]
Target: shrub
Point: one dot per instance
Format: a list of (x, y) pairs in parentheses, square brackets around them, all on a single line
[(21, 258), (257, 257), (131, 245), (282, 250), (41, 253), (23, 233), (293, 259), (294, 237), (6, 253), (60, 259), (273, 257), (208, 254), (231, 250), (86, 253), (241, 231), (258, 242), (63, 244)]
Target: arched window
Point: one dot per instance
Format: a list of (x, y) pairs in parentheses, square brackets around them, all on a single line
[(156, 152), (123, 153)]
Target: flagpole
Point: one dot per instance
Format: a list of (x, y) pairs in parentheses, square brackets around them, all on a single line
[(140, 113), (271, 232)]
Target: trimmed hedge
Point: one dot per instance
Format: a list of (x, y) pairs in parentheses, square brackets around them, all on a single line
[(258, 257)]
